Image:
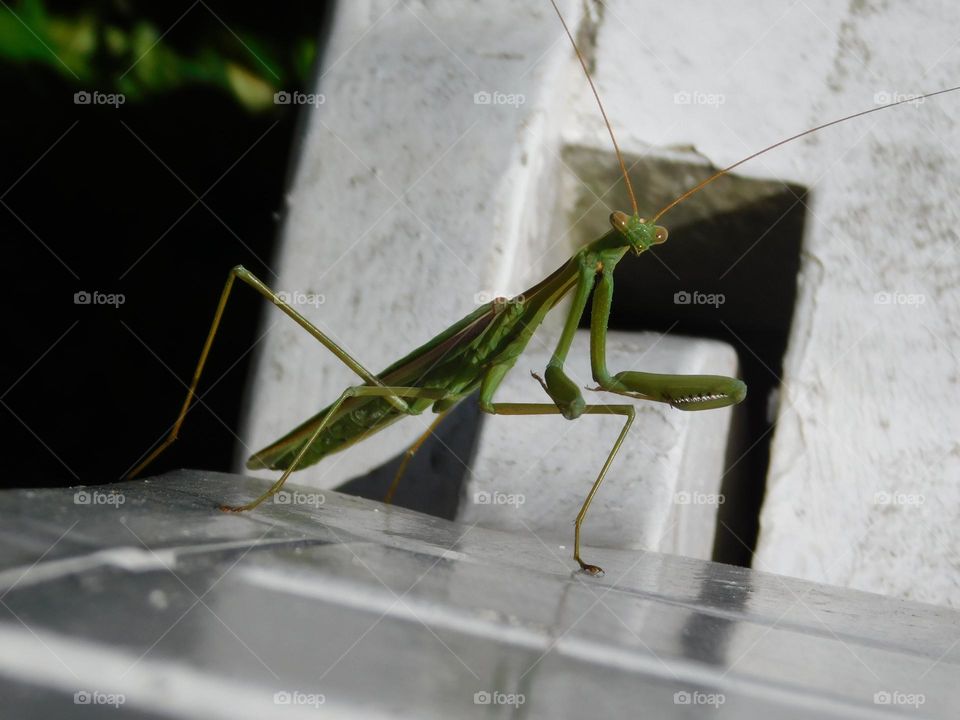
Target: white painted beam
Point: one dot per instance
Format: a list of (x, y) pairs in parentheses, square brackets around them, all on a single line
[(869, 406)]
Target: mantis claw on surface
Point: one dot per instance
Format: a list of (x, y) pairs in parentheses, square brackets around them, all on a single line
[(475, 354)]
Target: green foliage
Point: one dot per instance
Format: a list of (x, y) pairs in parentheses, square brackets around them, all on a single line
[(124, 47)]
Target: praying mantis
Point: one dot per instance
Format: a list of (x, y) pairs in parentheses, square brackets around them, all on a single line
[(475, 354)]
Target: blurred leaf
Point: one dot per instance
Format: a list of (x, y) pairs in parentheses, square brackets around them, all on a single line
[(250, 89), (109, 47)]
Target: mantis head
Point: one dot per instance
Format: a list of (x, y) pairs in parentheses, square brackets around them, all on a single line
[(639, 232)]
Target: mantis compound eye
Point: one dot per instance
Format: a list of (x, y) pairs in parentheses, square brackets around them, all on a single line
[(661, 235), (619, 221)]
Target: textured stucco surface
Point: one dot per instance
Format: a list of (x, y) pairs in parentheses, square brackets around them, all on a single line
[(868, 409)]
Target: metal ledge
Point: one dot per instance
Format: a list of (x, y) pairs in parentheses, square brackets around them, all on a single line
[(146, 597)]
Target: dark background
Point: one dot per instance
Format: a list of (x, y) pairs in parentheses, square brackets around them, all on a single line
[(102, 198)]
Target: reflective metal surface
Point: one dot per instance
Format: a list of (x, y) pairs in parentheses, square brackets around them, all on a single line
[(150, 602)]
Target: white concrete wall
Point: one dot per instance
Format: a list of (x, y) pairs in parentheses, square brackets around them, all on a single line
[(868, 403)]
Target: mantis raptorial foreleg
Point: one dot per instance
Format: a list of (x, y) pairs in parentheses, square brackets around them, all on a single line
[(558, 385), (684, 392), (241, 273)]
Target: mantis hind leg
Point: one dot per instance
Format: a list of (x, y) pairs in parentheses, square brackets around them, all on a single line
[(351, 392), (627, 411), (241, 273), (408, 456)]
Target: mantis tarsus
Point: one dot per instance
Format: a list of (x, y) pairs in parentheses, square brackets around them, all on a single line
[(477, 352)]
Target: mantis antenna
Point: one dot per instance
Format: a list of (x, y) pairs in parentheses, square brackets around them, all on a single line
[(699, 186), (583, 64)]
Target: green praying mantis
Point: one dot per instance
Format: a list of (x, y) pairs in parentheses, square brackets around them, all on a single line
[(475, 354)]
